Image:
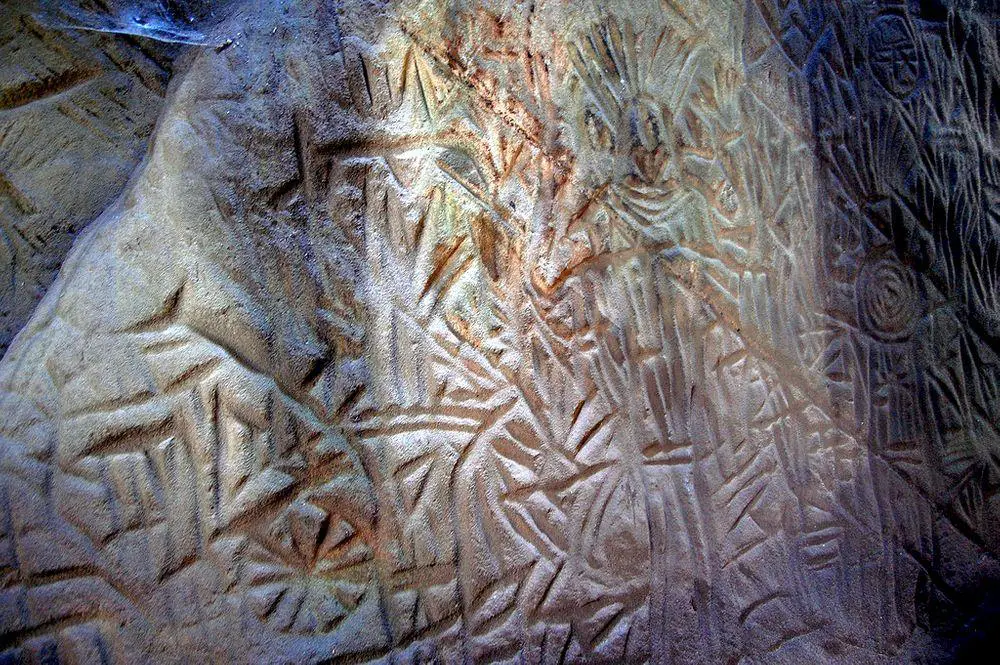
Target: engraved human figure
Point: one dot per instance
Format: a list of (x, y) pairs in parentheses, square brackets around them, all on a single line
[(457, 333)]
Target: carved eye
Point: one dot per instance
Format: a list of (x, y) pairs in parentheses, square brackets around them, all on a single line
[(459, 165), (646, 125), (598, 131)]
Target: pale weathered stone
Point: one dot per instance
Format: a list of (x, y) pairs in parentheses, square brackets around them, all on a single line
[(526, 332)]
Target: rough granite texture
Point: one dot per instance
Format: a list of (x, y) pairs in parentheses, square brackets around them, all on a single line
[(466, 331)]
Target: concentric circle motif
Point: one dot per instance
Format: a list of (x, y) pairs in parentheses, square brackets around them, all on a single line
[(889, 303)]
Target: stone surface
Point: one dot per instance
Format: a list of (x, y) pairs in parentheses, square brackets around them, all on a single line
[(76, 112), (534, 332)]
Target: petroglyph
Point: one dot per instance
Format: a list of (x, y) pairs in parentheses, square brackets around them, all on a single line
[(654, 331)]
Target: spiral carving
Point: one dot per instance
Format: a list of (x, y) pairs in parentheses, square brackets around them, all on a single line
[(889, 303)]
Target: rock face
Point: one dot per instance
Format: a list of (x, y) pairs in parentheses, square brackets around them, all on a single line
[(76, 113), (447, 331)]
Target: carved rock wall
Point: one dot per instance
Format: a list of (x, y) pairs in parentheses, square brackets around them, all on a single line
[(76, 113), (447, 331)]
